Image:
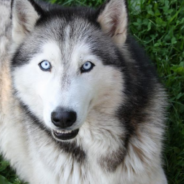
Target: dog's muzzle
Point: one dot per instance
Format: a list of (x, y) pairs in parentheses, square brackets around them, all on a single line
[(63, 119)]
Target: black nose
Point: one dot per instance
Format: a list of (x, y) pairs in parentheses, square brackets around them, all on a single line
[(63, 118)]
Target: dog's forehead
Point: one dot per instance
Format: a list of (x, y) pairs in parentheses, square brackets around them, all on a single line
[(60, 28), (75, 35), (78, 31)]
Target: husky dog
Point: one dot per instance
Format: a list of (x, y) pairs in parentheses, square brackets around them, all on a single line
[(80, 102)]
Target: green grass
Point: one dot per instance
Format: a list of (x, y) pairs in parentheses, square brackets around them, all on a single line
[(159, 26), (7, 176)]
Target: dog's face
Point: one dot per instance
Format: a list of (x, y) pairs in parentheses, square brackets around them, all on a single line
[(66, 65)]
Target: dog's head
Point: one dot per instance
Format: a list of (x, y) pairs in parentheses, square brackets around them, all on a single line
[(68, 62)]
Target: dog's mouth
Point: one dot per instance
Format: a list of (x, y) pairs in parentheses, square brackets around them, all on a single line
[(65, 134)]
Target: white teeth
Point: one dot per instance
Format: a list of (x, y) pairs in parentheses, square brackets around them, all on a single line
[(63, 131)]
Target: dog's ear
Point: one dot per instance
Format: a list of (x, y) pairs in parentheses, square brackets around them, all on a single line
[(25, 14), (113, 19)]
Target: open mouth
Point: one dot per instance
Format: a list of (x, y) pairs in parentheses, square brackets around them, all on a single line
[(65, 134)]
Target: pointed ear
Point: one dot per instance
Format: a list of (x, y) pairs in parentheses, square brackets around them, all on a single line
[(113, 18), (25, 14)]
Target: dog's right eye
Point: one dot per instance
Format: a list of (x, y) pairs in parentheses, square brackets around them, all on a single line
[(87, 66), (45, 65)]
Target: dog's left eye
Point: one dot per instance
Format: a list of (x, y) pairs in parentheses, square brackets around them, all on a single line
[(87, 66), (45, 65)]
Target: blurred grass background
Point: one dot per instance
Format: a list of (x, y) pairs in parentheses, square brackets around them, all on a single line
[(158, 25)]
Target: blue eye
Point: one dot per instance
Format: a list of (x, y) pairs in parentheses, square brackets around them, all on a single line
[(45, 65), (87, 66)]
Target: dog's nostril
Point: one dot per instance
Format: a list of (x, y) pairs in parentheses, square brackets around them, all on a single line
[(55, 118), (71, 118), (63, 118)]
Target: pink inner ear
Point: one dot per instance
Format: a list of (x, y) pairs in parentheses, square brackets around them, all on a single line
[(114, 23), (20, 12), (22, 20), (114, 20)]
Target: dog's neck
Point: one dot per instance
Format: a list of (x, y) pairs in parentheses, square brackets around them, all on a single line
[(103, 143)]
